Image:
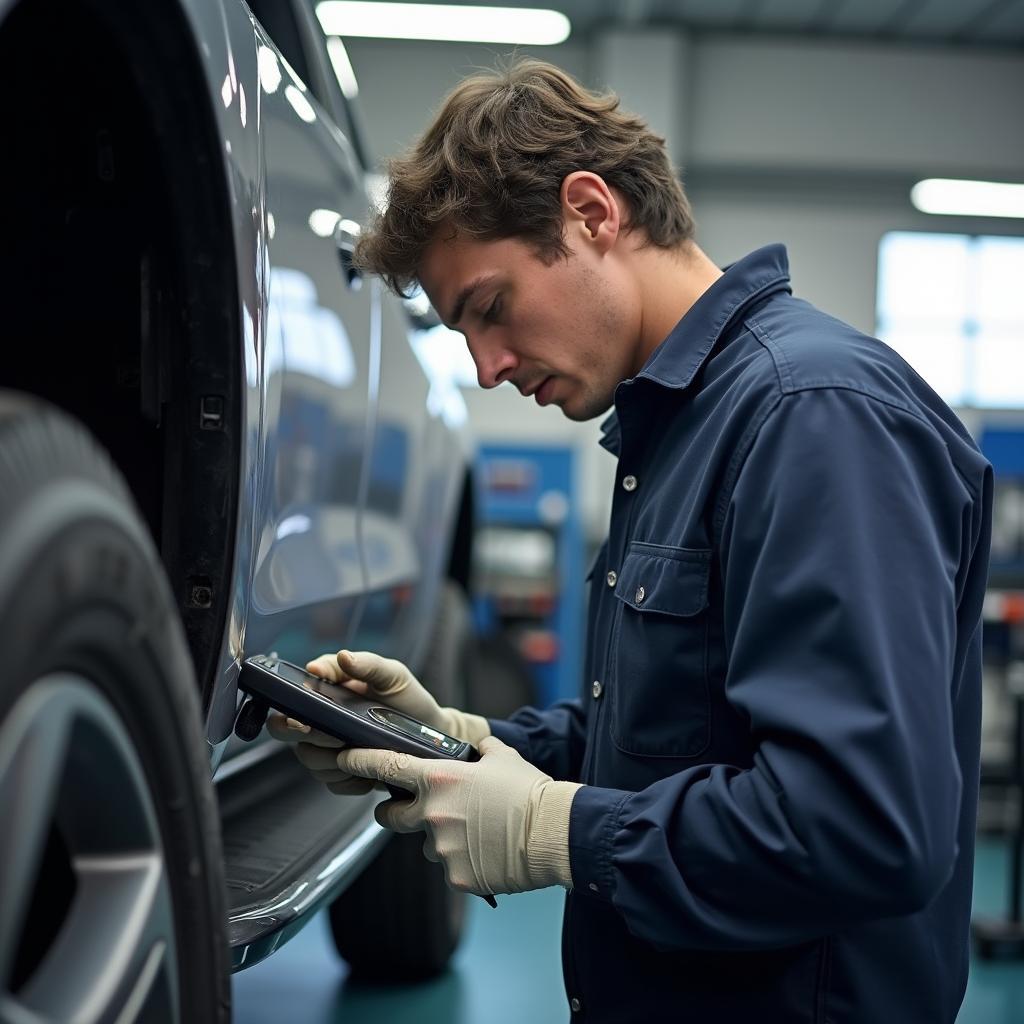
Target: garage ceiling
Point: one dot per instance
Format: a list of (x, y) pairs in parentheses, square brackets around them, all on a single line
[(965, 22)]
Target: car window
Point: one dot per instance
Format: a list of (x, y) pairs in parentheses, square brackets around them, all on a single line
[(340, 86), (279, 22), (296, 32)]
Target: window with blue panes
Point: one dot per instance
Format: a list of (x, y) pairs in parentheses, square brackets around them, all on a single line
[(953, 307)]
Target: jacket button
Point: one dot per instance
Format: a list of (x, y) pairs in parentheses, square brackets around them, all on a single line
[(629, 483), (597, 689), (575, 1005), (612, 577), (640, 595)]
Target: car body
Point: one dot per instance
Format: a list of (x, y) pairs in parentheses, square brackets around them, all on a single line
[(305, 477)]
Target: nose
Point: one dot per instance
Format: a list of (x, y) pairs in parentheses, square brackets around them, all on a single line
[(495, 363)]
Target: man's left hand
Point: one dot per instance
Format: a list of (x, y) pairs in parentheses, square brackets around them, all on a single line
[(498, 825)]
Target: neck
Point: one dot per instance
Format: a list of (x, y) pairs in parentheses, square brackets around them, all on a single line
[(670, 282)]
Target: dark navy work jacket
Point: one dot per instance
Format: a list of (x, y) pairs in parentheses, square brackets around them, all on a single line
[(779, 727)]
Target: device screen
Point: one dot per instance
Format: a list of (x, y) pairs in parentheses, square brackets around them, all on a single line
[(416, 729), (294, 674), (308, 681)]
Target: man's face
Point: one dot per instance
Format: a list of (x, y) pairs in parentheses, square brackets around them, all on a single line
[(566, 333)]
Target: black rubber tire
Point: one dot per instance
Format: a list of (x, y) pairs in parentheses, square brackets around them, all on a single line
[(82, 590), (399, 921)]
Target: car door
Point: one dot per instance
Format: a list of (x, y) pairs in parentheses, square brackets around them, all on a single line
[(412, 471), (406, 515), (309, 578)]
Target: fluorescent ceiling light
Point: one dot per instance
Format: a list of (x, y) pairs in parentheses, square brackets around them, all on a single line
[(300, 104), (968, 198), (523, 25), (270, 70), (323, 222), (342, 67), (294, 524)]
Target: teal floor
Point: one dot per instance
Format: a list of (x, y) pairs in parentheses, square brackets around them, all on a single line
[(507, 971), (995, 991)]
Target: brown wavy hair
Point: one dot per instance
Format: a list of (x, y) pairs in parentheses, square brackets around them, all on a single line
[(492, 164)]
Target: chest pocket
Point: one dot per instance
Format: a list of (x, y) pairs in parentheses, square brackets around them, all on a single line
[(658, 656)]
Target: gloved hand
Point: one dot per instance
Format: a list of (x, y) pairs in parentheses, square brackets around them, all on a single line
[(383, 679), (498, 824)]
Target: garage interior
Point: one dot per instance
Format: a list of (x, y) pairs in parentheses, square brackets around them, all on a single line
[(802, 121), (880, 141)]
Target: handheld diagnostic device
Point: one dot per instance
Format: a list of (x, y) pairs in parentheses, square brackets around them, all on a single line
[(357, 721), (350, 717), (339, 712)]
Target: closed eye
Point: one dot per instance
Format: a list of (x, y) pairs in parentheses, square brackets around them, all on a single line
[(493, 311)]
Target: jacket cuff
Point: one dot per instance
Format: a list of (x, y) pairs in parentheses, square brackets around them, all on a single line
[(547, 847), (593, 824)]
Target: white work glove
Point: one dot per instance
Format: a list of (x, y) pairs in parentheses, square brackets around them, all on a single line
[(498, 825), (382, 679)]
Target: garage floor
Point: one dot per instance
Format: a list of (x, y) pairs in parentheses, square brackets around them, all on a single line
[(507, 971)]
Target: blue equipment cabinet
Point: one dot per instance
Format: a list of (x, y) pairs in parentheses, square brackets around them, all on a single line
[(529, 561), (1003, 635), (1004, 448)]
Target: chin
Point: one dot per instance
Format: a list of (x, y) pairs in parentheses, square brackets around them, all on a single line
[(587, 409)]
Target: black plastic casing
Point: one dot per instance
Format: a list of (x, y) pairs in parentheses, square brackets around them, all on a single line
[(344, 715)]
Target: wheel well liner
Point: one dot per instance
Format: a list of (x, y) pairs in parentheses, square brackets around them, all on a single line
[(123, 304)]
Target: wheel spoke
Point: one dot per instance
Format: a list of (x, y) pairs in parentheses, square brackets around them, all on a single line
[(113, 948), (114, 956), (144, 985), (33, 753)]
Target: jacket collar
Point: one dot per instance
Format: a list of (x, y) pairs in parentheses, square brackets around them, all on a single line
[(610, 434), (675, 362)]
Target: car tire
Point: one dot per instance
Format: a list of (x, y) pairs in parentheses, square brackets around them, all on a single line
[(400, 921), (111, 876)]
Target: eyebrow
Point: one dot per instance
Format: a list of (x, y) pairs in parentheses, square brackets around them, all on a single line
[(465, 295)]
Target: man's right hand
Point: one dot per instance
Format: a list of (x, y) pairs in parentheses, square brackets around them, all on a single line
[(383, 679)]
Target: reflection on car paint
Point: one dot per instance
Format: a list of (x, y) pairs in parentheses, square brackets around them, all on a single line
[(315, 340), (301, 580)]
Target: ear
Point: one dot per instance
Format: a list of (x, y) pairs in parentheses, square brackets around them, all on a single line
[(589, 205)]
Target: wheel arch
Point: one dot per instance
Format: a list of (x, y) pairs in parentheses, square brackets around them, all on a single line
[(124, 306)]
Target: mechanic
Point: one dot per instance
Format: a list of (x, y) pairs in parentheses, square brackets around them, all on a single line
[(763, 805)]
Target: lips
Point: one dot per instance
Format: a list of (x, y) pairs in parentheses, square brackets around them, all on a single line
[(543, 393), (532, 388)]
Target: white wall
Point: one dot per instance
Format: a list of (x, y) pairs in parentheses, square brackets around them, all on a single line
[(810, 144), (832, 240), (856, 106), (402, 82)]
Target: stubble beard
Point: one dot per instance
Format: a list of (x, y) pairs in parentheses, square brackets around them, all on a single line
[(594, 396), (590, 406)]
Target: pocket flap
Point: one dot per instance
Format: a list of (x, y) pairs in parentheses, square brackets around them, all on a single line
[(671, 581)]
